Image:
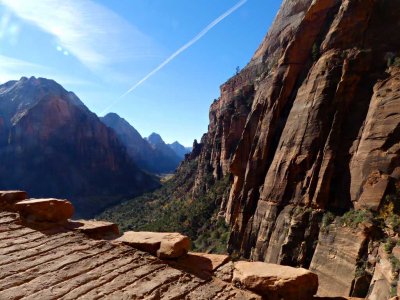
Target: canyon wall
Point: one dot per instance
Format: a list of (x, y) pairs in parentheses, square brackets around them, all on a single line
[(52, 144), (310, 125)]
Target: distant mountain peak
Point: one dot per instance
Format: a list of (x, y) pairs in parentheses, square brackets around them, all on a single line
[(179, 149), (29, 91), (151, 154), (112, 119), (113, 115), (155, 139)]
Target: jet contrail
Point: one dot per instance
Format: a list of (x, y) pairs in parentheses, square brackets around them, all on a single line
[(179, 51)]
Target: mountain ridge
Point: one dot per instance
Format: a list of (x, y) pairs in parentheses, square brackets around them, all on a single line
[(51, 144), (156, 157)]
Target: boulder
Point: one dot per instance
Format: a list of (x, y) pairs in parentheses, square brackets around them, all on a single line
[(95, 229), (162, 244), (9, 198), (275, 282), (45, 210), (202, 264)]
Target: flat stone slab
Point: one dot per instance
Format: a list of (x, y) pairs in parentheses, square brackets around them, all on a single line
[(68, 265), (275, 282), (95, 229), (8, 199), (45, 210), (162, 244), (202, 264)]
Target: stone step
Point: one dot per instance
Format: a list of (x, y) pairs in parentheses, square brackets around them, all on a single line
[(95, 229), (45, 210), (162, 244)]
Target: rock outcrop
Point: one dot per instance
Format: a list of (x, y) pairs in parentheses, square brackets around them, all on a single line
[(45, 210), (163, 245), (56, 260), (52, 145), (335, 259), (95, 229), (276, 282), (309, 126)]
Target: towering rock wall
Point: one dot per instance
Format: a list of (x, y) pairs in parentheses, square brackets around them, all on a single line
[(311, 124), (52, 144)]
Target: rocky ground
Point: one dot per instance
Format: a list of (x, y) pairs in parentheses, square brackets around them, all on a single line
[(45, 255)]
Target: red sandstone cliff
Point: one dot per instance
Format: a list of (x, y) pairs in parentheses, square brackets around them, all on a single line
[(311, 124)]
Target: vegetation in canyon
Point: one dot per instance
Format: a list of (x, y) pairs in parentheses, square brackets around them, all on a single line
[(172, 209)]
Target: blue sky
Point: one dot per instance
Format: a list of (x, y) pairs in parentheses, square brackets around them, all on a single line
[(102, 49)]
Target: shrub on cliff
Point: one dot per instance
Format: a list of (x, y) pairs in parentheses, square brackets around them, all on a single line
[(353, 218), (315, 52)]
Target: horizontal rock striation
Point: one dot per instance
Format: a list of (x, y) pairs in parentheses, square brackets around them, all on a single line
[(46, 259)]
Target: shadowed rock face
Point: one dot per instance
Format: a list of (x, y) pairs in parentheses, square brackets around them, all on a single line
[(179, 149), (164, 155), (51, 144), (311, 124), (151, 155)]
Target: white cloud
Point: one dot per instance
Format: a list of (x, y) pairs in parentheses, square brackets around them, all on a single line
[(94, 34), (9, 28)]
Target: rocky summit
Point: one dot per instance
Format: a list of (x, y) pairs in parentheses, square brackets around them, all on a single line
[(51, 144), (308, 136)]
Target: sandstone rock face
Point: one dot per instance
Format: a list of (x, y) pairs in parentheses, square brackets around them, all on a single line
[(310, 125), (378, 146), (62, 264), (382, 279), (163, 245), (8, 199), (335, 259), (53, 145), (203, 264), (157, 158), (95, 229), (276, 282), (46, 210)]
